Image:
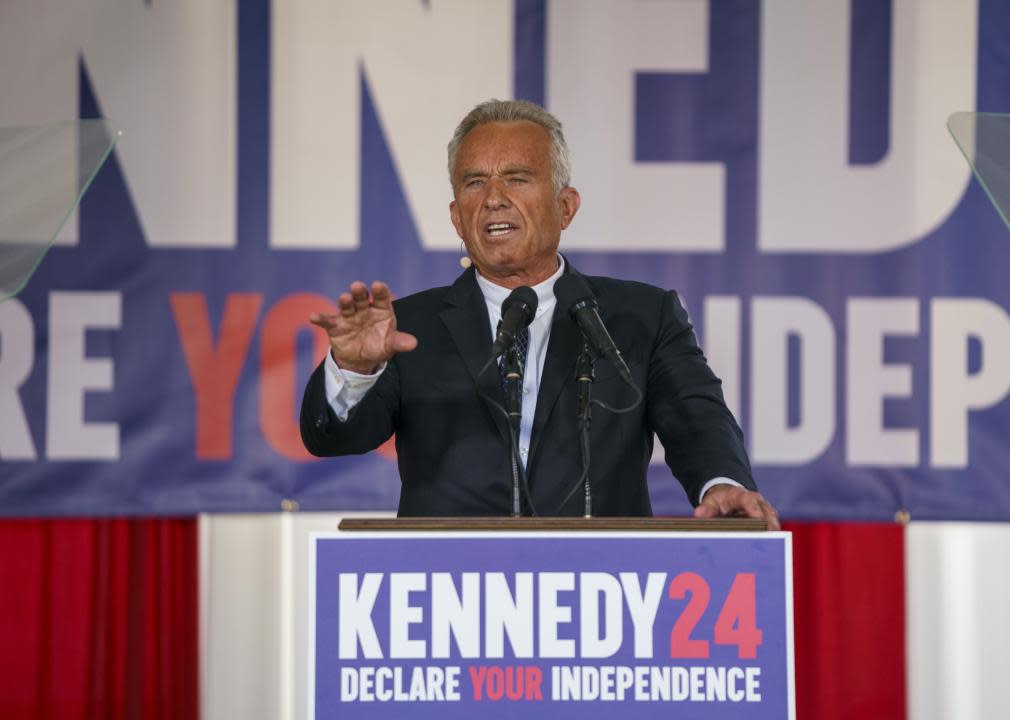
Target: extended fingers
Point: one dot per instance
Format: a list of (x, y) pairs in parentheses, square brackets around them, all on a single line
[(359, 295), (381, 296), (324, 320), (346, 303), (357, 299)]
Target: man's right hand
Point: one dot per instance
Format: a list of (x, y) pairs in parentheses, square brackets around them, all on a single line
[(363, 334)]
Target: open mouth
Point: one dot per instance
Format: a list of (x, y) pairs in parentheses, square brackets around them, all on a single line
[(499, 229)]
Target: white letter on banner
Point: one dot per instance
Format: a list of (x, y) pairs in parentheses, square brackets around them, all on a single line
[(733, 677), (642, 608), (773, 321), (594, 50), (753, 684), (165, 73), (505, 614), (723, 333), (426, 65), (17, 356), (595, 587), (348, 684), (953, 389), (551, 614), (402, 614), (355, 615), (868, 322), (450, 613), (809, 198), (71, 374)]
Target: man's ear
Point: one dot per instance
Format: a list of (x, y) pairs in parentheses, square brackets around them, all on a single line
[(456, 218), (569, 201)]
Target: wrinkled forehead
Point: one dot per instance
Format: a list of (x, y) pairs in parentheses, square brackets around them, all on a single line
[(495, 145)]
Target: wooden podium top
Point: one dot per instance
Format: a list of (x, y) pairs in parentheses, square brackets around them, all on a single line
[(557, 524)]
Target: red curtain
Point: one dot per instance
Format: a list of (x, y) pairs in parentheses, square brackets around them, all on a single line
[(849, 620), (98, 619)]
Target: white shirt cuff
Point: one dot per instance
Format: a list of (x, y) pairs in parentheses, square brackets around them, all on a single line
[(346, 388), (709, 485)]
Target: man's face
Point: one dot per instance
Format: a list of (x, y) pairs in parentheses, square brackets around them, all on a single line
[(506, 210)]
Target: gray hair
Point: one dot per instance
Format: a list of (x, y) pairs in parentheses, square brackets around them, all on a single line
[(512, 111)]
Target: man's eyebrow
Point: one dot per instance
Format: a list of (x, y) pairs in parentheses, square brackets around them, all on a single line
[(470, 174), (508, 170), (518, 170)]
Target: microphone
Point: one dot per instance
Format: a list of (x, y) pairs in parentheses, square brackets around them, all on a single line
[(516, 313), (573, 293)]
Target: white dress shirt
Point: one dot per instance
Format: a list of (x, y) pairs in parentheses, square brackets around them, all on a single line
[(540, 333)]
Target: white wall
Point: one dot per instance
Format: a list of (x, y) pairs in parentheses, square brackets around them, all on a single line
[(254, 600), (958, 587)]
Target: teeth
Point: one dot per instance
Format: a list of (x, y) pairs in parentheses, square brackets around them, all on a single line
[(499, 228)]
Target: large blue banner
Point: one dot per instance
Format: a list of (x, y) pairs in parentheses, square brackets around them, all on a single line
[(784, 165)]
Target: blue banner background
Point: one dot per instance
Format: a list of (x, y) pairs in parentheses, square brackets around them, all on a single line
[(678, 117)]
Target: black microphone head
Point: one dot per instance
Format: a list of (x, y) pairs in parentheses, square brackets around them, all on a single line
[(523, 298), (573, 293)]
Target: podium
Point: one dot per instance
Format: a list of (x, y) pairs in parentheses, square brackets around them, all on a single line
[(551, 618)]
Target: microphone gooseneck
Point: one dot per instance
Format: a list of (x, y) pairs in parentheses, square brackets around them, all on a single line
[(574, 294)]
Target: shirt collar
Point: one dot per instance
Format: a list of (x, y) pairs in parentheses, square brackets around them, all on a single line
[(495, 295)]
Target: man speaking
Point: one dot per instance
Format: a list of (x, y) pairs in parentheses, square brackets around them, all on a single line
[(420, 367)]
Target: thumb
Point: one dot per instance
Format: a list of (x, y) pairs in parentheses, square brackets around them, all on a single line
[(403, 342)]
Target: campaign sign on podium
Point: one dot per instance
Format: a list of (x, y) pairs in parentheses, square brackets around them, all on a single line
[(548, 625)]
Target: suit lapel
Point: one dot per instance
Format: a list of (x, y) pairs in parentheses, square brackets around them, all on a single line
[(468, 324)]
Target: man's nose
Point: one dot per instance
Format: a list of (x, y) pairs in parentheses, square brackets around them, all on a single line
[(495, 197)]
